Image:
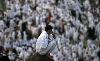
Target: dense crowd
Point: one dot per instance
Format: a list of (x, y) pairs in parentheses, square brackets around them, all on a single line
[(76, 27)]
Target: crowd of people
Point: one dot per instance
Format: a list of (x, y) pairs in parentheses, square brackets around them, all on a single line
[(76, 27)]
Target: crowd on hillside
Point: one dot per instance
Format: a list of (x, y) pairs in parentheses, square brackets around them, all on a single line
[(76, 27)]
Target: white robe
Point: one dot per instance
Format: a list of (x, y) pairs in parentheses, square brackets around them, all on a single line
[(42, 45)]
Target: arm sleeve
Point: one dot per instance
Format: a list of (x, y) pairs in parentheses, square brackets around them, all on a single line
[(49, 48)]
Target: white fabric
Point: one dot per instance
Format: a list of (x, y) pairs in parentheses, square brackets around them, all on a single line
[(42, 45), (42, 42)]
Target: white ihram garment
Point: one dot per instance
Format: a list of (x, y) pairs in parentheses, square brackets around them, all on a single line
[(42, 45)]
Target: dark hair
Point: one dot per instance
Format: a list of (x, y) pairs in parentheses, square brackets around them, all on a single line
[(81, 59), (98, 54), (48, 27)]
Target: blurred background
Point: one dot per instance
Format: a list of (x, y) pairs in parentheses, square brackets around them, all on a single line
[(76, 25)]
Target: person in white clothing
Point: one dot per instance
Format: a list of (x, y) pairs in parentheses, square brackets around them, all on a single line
[(44, 45)]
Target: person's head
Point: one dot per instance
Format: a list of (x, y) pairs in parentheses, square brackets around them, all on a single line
[(48, 29), (81, 59)]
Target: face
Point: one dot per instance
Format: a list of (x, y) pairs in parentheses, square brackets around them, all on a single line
[(50, 32)]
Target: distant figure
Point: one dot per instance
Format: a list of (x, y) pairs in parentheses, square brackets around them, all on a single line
[(91, 33), (98, 54), (56, 2), (3, 56), (1, 49)]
